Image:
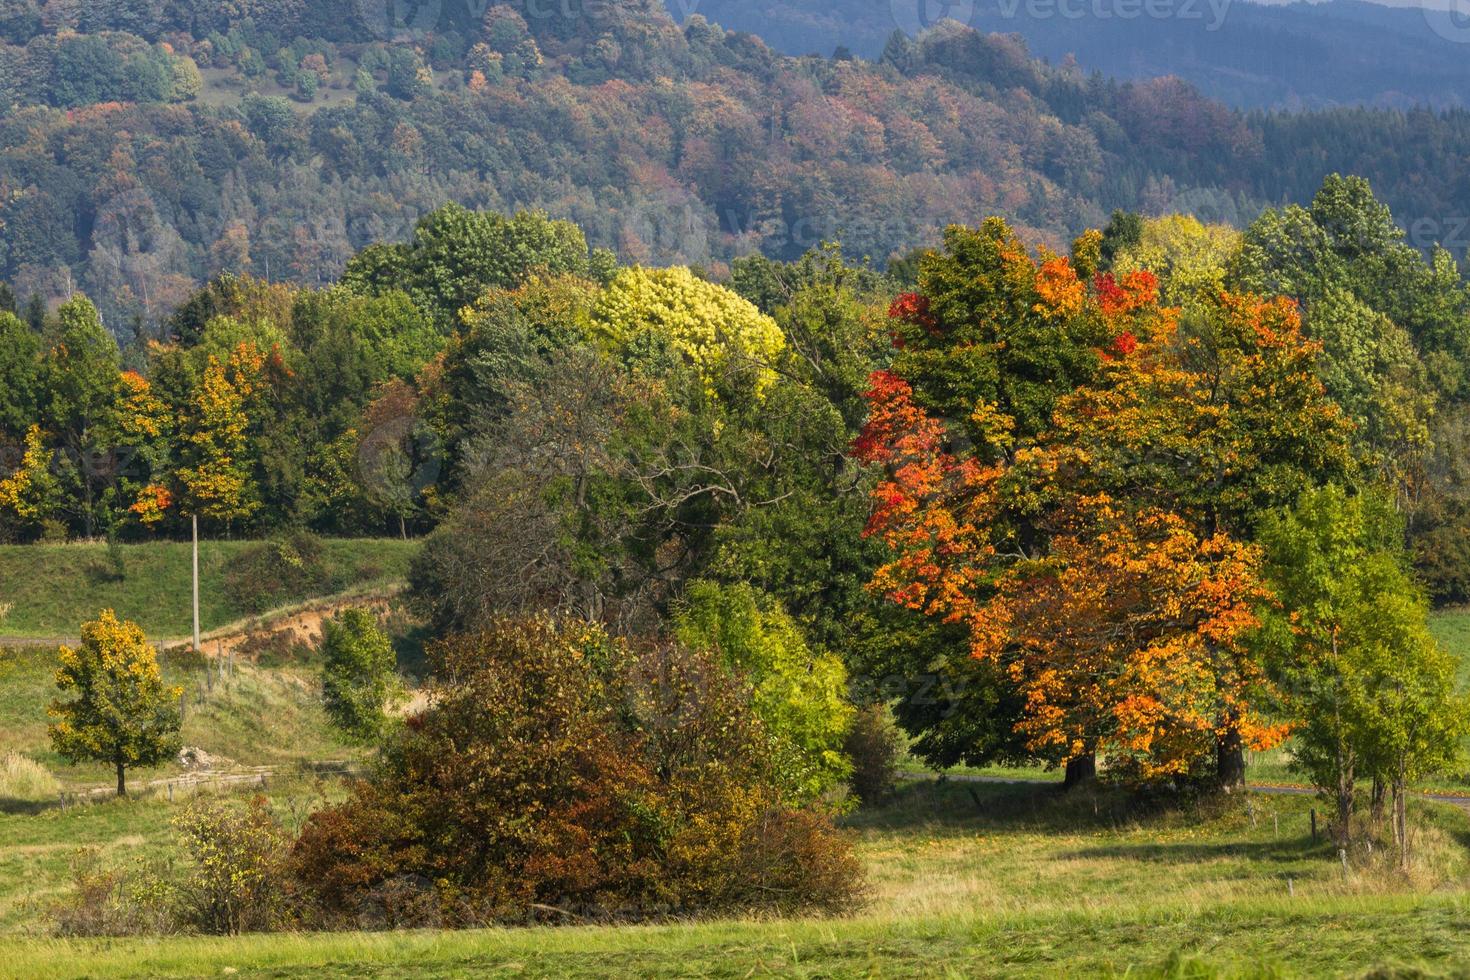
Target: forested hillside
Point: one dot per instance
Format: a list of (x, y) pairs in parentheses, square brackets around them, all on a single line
[(147, 148), (1251, 55)]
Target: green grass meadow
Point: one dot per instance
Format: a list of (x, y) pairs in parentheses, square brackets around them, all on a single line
[(980, 880), (965, 879), (52, 589)]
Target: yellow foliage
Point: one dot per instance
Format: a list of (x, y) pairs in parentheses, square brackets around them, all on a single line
[(715, 329)]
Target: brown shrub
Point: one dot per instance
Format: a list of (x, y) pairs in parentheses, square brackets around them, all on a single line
[(562, 776)]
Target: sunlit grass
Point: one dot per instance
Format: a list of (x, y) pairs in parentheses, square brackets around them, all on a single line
[(979, 880), (53, 589)]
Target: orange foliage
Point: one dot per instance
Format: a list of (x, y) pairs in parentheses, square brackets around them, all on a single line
[(1092, 562)]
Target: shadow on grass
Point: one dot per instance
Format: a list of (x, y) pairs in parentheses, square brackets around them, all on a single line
[(940, 807), (937, 804), (1283, 851), (11, 806)]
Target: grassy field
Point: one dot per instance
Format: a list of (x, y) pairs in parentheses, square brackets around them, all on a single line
[(52, 589), (964, 881), (261, 716)]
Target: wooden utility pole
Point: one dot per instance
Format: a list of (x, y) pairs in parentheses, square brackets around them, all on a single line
[(195, 521)]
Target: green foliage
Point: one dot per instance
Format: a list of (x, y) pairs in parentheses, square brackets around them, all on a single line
[(992, 340), (275, 572), (641, 780), (124, 714), (955, 710), (1351, 648), (800, 694), (357, 673), (236, 880), (456, 255), (79, 370), (874, 746), (20, 352)]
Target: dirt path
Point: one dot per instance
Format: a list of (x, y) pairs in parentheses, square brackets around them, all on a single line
[(302, 624), (187, 783), (302, 621)]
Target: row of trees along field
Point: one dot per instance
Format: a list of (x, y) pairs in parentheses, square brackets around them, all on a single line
[(1053, 507)]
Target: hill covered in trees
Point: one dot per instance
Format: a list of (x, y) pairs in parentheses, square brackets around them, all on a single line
[(1250, 55), (147, 148)]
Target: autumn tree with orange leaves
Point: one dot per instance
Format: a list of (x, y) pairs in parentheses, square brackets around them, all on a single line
[(1074, 479)]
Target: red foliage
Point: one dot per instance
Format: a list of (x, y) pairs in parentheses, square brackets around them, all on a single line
[(912, 308), (1138, 289)]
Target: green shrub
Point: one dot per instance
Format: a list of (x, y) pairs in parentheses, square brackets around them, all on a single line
[(560, 774), (275, 572), (873, 746), (109, 901), (800, 694), (357, 673), (236, 882)]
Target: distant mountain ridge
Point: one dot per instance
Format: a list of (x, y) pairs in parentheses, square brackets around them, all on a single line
[(145, 147), (1249, 55)]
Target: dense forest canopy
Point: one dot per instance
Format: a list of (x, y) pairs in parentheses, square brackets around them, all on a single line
[(147, 148)]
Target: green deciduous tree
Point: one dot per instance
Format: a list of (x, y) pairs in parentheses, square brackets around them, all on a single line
[(357, 673), (457, 254), (79, 372), (20, 354), (1349, 646)]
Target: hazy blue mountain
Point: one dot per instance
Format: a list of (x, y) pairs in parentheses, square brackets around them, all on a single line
[(1297, 55)]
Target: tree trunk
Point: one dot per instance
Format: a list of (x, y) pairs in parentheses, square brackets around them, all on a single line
[(122, 786), (1401, 821), (1230, 760), (1080, 769), (1375, 815), (402, 528), (1343, 828)]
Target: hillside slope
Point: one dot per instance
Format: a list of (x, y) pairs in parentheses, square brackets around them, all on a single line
[(142, 154), (52, 589)]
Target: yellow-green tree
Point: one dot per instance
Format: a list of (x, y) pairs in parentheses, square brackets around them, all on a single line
[(716, 330), (124, 714), (29, 494), (216, 477), (1189, 257)]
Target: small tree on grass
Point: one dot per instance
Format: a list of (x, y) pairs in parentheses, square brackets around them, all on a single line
[(1350, 646), (124, 714), (357, 676), (1413, 725)]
